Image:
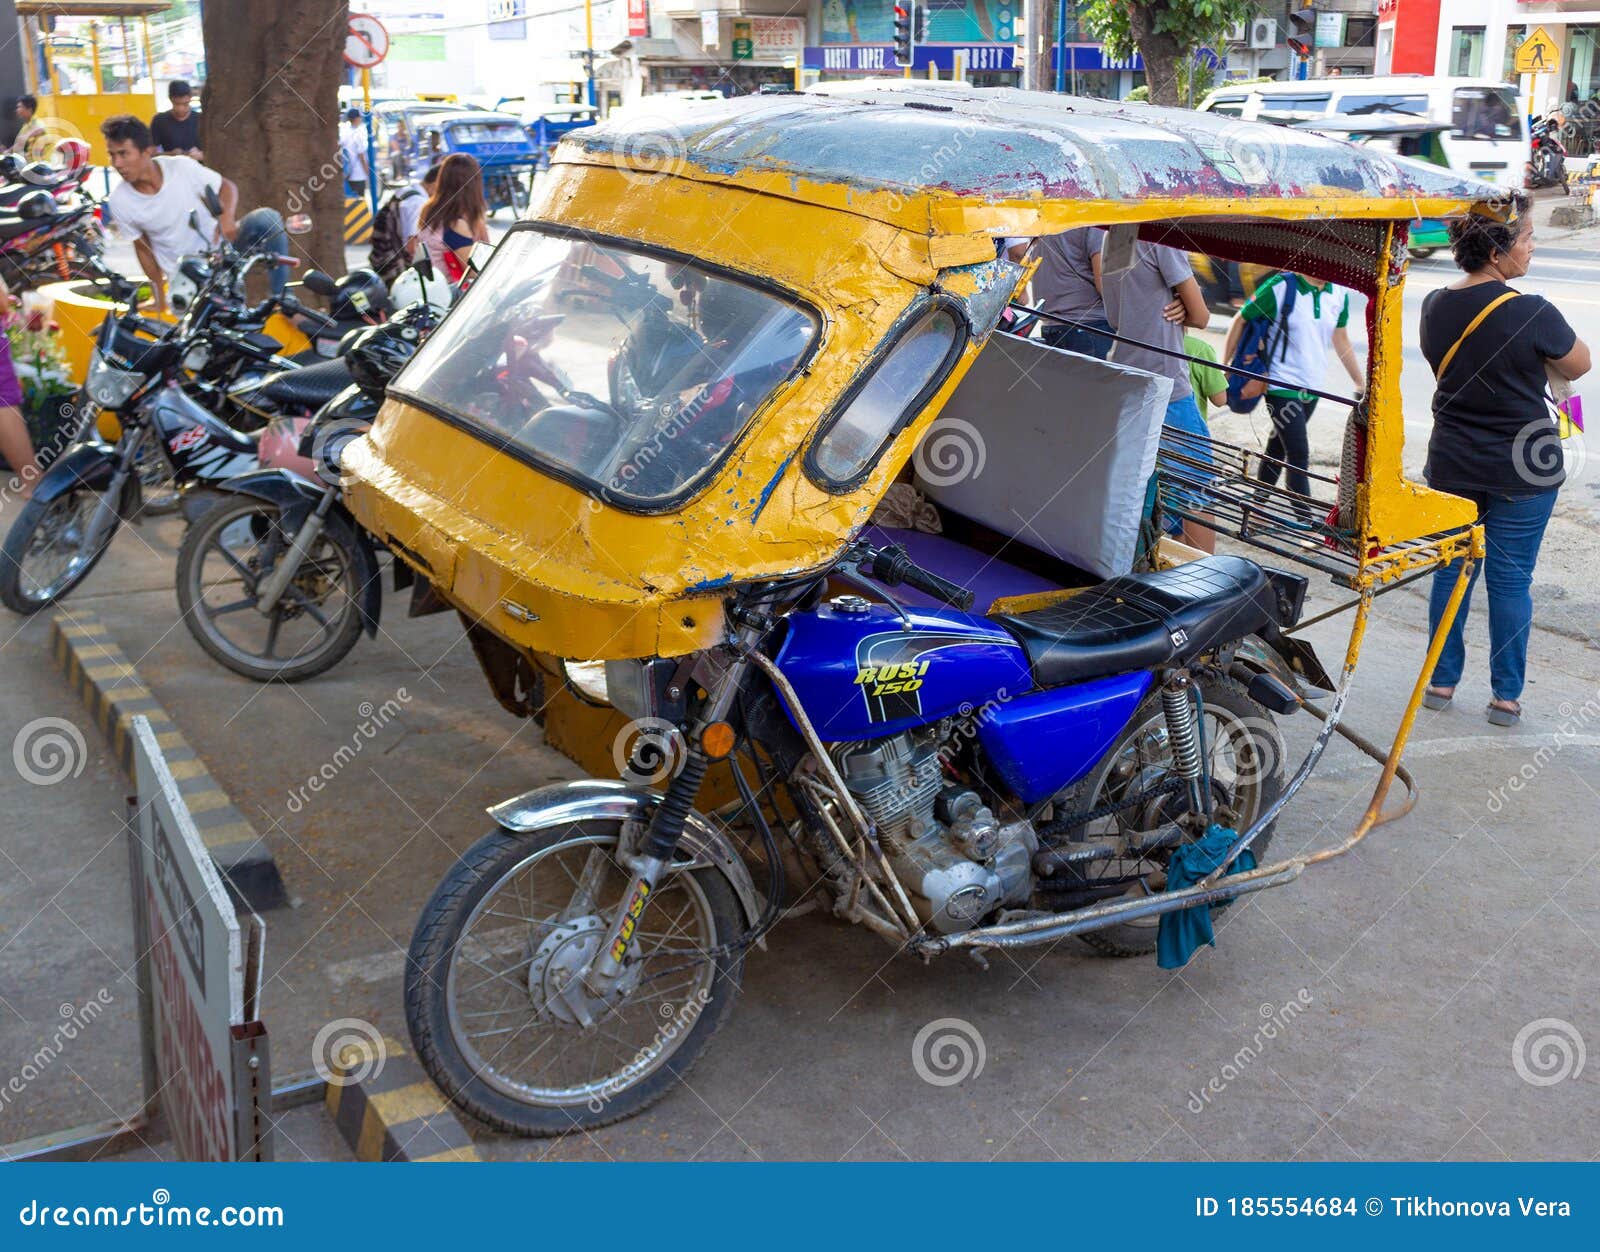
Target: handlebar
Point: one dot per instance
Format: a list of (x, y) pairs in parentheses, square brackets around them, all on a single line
[(893, 567)]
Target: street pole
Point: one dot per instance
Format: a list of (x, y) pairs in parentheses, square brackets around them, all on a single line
[(1061, 45), (588, 49), (1035, 74), (372, 139)]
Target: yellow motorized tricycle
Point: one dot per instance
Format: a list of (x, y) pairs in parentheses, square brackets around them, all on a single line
[(844, 593)]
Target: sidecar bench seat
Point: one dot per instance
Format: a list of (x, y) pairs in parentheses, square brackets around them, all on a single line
[(1141, 621), (312, 385)]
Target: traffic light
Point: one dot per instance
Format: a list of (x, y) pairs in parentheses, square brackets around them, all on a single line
[(907, 20), (1302, 37)]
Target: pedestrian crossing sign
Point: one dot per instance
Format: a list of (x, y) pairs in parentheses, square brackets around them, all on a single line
[(1538, 54)]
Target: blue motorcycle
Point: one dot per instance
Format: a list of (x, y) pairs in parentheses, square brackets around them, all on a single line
[(947, 780)]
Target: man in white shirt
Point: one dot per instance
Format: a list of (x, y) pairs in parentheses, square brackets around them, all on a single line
[(153, 203), (353, 143)]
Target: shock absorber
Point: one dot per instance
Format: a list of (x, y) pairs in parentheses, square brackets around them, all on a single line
[(1183, 738)]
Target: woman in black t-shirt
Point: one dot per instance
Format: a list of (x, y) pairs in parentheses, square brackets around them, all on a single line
[(1493, 439)]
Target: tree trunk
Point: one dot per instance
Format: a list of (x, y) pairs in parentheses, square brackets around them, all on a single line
[(1162, 54), (271, 117)]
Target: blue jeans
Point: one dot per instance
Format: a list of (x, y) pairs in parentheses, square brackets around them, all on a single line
[(261, 230), (1184, 415), (1513, 529), (1081, 338)]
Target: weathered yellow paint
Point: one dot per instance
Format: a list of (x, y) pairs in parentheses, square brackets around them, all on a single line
[(553, 571)]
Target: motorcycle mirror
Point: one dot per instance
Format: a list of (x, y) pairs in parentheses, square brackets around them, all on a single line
[(423, 265), (212, 201), (318, 282), (194, 221), (298, 223)]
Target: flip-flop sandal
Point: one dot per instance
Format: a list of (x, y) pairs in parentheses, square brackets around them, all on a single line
[(1504, 717), (1432, 699)]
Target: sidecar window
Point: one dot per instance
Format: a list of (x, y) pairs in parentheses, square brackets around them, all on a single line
[(892, 395), (628, 373)]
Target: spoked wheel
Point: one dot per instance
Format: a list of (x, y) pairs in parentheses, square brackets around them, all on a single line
[(499, 1015), (1244, 761), (47, 551), (226, 553)]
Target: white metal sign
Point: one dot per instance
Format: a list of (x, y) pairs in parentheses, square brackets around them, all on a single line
[(366, 42), (196, 958)]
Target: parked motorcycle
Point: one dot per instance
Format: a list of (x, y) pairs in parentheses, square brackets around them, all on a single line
[(172, 437), (1547, 155), (276, 580)]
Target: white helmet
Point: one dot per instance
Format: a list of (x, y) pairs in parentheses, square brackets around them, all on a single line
[(412, 288)]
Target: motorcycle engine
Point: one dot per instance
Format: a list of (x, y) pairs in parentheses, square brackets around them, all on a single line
[(943, 842)]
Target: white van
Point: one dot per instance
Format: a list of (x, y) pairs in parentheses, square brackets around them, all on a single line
[(1488, 136)]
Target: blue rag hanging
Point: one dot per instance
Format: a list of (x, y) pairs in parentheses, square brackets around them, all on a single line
[(1185, 930)]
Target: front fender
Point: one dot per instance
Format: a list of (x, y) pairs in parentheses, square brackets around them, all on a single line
[(1289, 659), (87, 465), (592, 799)]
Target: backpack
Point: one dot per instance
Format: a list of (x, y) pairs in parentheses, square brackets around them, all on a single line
[(388, 255), (1259, 345)]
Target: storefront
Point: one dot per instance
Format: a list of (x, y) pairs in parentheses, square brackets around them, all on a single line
[(973, 39)]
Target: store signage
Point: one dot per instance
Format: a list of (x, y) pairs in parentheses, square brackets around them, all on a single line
[(638, 18), (1330, 30), (773, 38), (879, 58), (710, 30), (743, 45), (1089, 58), (506, 19)]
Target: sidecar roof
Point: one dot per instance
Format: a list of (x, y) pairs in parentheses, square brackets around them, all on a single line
[(953, 159)]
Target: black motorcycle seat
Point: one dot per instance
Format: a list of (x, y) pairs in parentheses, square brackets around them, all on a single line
[(312, 385), (1142, 621), (11, 226)]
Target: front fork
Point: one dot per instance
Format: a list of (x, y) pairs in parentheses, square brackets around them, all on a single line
[(276, 583), (660, 840), (108, 509)]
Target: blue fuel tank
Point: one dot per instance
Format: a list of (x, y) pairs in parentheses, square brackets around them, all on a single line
[(869, 674)]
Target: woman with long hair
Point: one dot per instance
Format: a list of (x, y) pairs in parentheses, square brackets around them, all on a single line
[(455, 216)]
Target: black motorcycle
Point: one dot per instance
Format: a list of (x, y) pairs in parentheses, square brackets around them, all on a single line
[(276, 580)]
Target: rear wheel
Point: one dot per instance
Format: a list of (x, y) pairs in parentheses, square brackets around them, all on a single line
[(493, 1004), (1244, 761), (47, 552), (225, 554)]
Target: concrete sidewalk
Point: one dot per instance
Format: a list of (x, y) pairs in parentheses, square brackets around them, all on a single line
[(1399, 978)]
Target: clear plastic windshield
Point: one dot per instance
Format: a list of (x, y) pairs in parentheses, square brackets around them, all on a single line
[(632, 373)]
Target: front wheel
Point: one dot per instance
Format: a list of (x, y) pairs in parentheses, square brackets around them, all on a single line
[(496, 1008), (317, 620), (49, 550), (1244, 760), (1421, 254)]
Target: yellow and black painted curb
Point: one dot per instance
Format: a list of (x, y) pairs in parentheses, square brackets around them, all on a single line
[(114, 694), (357, 220), (388, 1110)]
